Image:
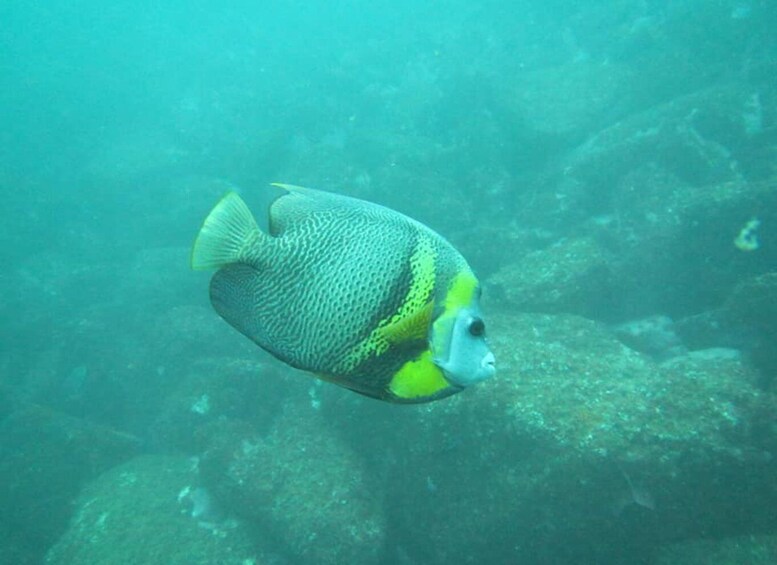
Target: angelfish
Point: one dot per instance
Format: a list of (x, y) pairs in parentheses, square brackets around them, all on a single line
[(353, 292)]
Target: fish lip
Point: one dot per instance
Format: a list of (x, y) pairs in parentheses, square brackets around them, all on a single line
[(488, 366), (487, 370)]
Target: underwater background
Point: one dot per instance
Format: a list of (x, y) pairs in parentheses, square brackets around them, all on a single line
[(609, 170)]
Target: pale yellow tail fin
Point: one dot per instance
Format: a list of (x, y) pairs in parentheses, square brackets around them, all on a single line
[(226, 235)]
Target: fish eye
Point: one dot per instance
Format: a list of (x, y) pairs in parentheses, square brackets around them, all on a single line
[(477, 327)]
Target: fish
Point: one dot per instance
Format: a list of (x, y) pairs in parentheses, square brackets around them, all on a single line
[(355, 293)]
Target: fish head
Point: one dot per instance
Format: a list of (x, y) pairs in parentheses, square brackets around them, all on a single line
[(458, 342)]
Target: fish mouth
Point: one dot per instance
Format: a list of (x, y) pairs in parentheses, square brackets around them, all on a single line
[(485, 370), (488, 364)]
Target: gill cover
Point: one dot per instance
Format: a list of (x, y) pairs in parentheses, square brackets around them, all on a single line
[(458, 340)]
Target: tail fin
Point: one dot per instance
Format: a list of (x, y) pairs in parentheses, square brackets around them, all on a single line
[(226, 234)]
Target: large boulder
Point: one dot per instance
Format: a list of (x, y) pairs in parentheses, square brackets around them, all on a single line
[(301, 482), (150, 511), (695, 138), (665, 192), (572, 99), (668, 191), (16, 549), (581, 450), (751, 310), (687, 255), (754, 303), (47, 457), (215, 389), (749, 549), (573, 276)]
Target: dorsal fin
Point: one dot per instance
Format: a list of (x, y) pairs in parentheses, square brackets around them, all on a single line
[(300, 203)]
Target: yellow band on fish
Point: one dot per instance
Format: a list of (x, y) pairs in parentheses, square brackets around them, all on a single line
[(418, 378), (460, 294), (411, 321), (461, 291)]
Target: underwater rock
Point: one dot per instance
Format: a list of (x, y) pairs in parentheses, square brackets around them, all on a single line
[(572, 99), (572, 276), (50, 287), (667, 191), (142, 512), (216, 389), (533, 482), (302, 483), (655, 336), (14, 549), (685, 260), (696, 139), (752, 309), (581, 450), (749, 549), (180, 347), (676, 244), (189, 332), (754, 303), (46, 458)]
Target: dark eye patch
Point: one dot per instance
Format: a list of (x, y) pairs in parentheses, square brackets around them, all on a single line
[(477, 327)]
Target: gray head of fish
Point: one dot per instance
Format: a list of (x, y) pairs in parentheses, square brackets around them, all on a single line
[(462, 351)]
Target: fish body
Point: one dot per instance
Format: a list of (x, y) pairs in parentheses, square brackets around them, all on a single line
[(358, 294)]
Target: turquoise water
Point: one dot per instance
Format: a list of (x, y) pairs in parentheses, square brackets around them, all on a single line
[(608, 169)]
